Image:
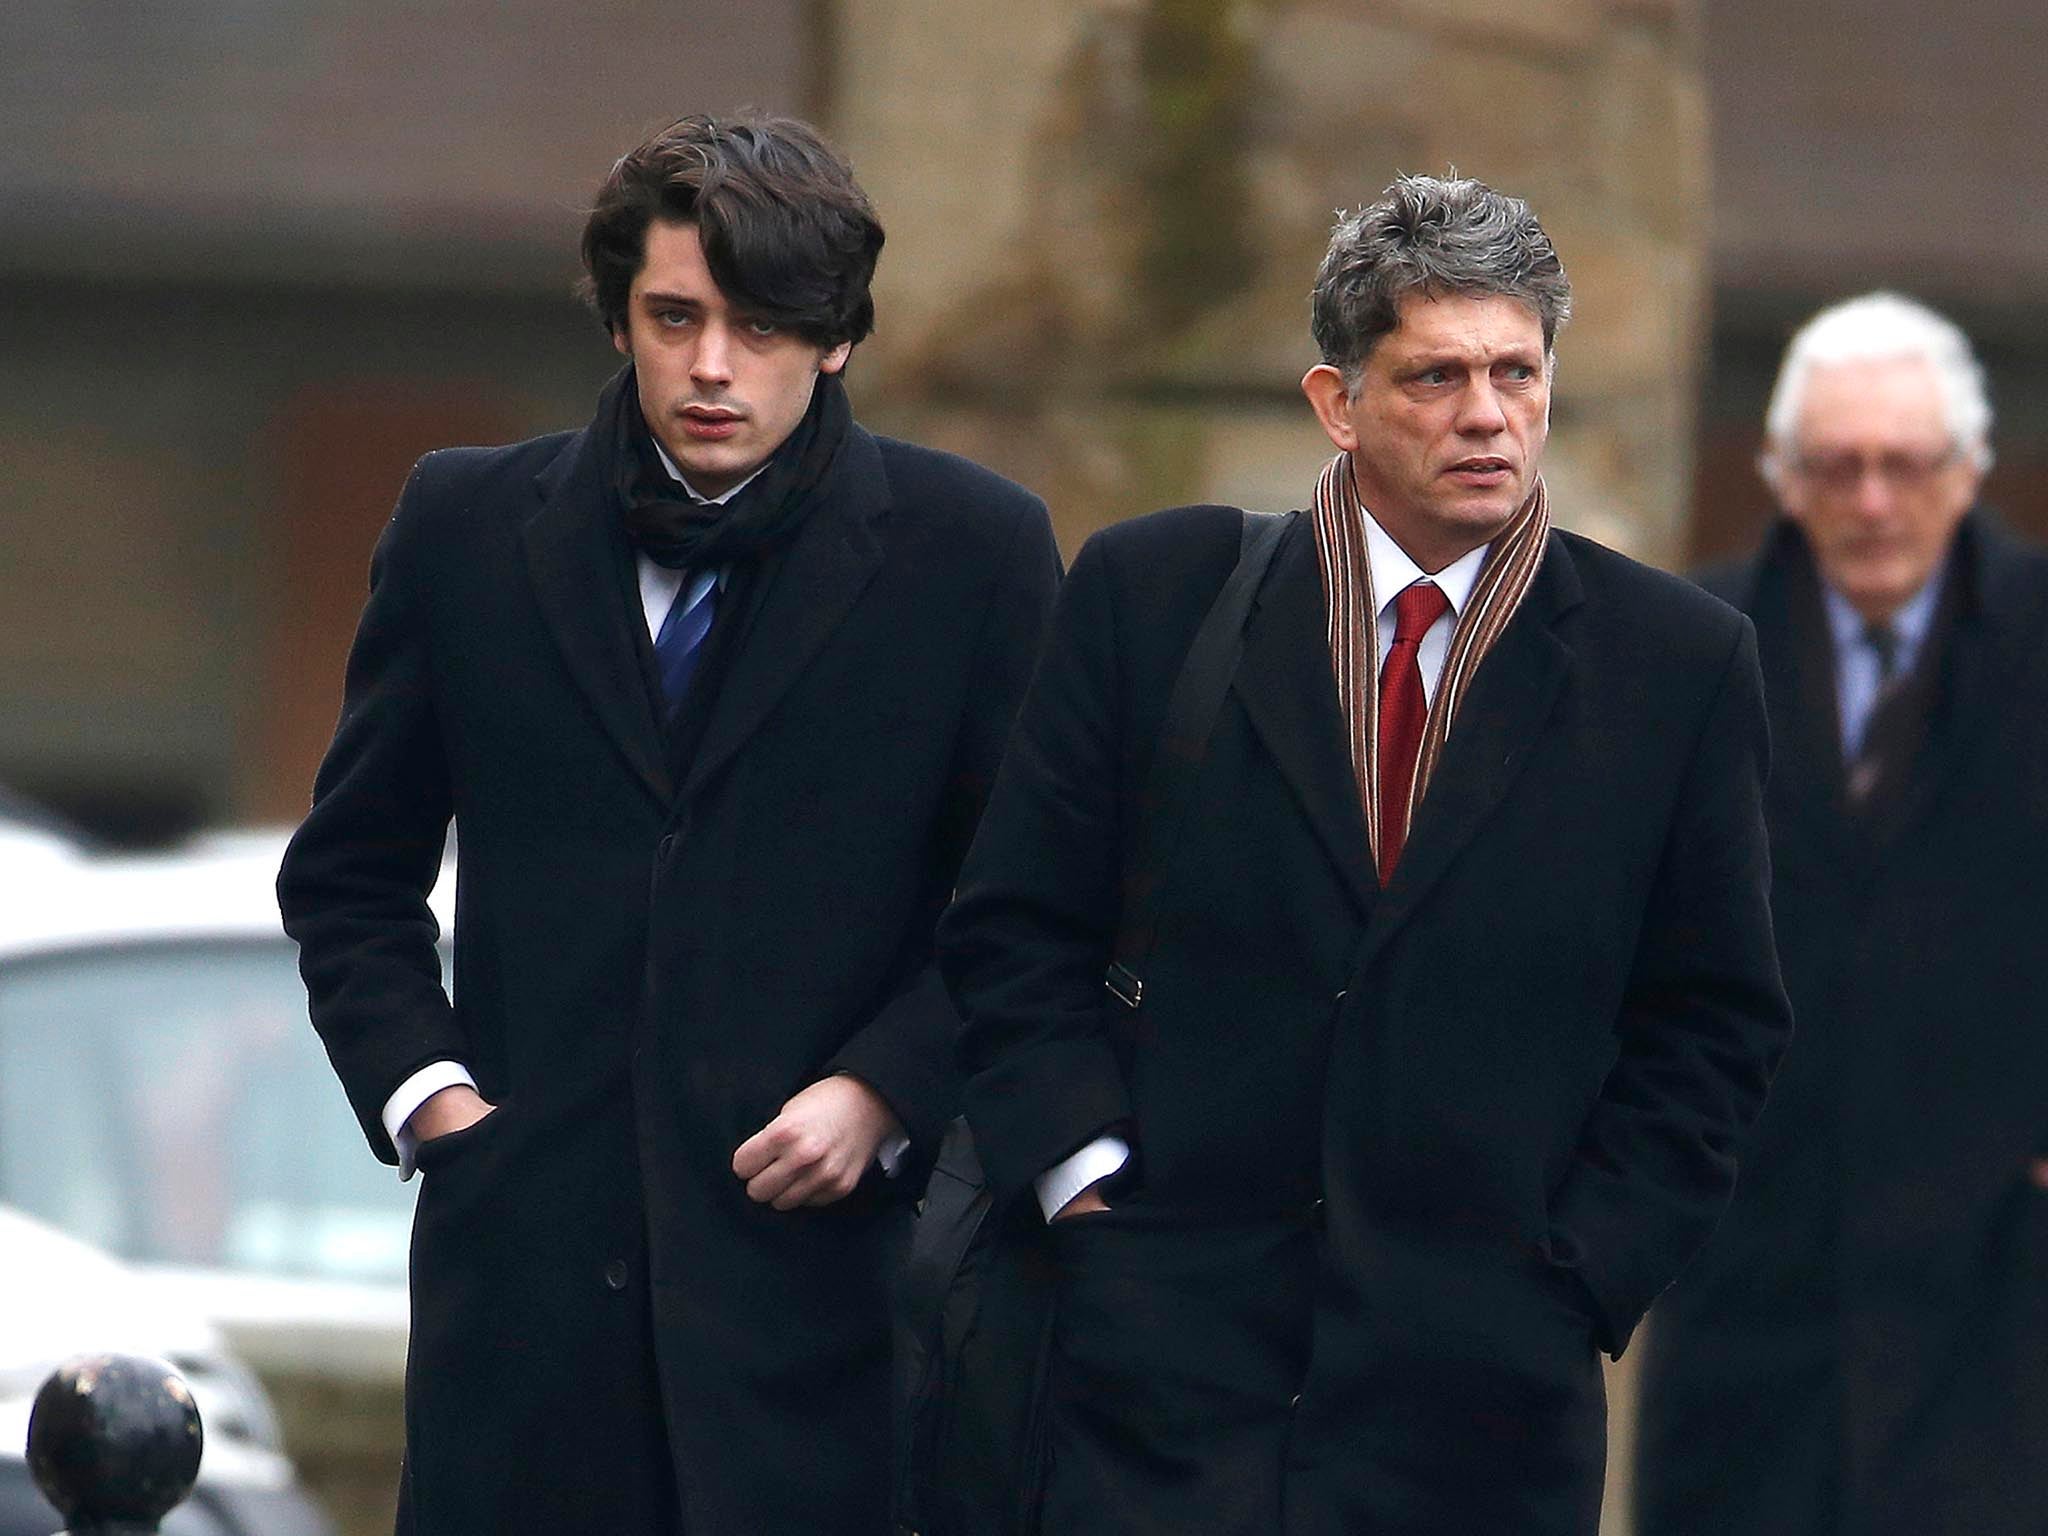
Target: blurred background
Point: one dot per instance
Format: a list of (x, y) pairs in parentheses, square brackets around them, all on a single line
[(258, 255)]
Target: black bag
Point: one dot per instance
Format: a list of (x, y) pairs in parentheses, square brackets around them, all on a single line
[(974, 1308), (973, 1321)]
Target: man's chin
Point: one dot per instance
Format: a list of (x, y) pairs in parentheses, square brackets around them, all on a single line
[(1872, 587), (1482, 515), (710, 470)]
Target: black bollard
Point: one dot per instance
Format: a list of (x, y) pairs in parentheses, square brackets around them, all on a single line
[(113, 1442)]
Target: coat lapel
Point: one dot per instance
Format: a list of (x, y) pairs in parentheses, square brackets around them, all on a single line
[(571, 558), (1285, 685), (828, 564), (1808, 788), (1965, 679), (1491, 740)]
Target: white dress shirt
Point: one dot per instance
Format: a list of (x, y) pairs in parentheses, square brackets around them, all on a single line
[(659, 588), (1393, 572), (1859, 674)]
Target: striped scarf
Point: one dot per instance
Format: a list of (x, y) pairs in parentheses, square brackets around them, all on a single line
[(1352, 609)]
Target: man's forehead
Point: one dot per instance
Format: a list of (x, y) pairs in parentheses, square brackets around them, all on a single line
[(1873, 397), (672, 255), (1428, 321)]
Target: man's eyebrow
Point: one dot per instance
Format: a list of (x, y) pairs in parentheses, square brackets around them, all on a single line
[(671, 300)]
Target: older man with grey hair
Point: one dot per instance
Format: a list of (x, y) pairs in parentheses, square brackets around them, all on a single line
[(1366, 958), (1864, 1348)]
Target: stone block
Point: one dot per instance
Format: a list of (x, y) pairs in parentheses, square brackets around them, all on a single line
[(1519, 121), (944, 111), (1332, 65), (1636, 306), (1560, 26), (1650, 133), (1265, 455)]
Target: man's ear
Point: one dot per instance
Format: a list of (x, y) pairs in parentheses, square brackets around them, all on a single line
[(835, 359), (621, 343), (1771, 469), (1331, 402)]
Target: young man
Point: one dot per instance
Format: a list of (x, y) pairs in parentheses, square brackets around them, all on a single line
[(714, 689), (1881, 1281), (1460, 988)]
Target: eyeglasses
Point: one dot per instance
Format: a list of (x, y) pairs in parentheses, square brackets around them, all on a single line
[(1898, 470)]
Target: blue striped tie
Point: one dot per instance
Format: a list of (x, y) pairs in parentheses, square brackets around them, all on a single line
[(680, 644)]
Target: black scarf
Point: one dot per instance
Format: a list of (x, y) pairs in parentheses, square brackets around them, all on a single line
[(674, 531)]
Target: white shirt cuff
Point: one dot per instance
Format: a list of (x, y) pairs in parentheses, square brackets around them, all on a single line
[(411, 1094), (890, 1155), (1066, 1179)]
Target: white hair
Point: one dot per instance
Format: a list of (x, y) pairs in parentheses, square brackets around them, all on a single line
[(1883, 327)]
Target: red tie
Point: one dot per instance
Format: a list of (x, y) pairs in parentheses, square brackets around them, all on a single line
[(1402, 710)]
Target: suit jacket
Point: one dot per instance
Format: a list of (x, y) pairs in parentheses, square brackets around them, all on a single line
[(649, 960), (1408, 1154), (1882, 1277)]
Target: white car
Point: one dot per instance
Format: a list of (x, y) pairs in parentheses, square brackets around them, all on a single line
[(163, 1097), (32, 840), (60, 1297)]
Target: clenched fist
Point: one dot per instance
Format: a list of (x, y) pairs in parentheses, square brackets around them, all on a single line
[(817, 1148)]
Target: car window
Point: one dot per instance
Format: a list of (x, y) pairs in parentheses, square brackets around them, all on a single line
[(170, 1102)]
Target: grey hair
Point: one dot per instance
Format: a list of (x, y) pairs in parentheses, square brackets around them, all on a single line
[(1437, 236), (1883, 327)]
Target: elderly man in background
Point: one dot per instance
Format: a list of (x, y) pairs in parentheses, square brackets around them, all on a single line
[(1864, 1346)]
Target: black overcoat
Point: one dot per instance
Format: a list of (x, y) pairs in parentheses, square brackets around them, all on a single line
[(649, 962), (1408, 1156), (1864, 1346)]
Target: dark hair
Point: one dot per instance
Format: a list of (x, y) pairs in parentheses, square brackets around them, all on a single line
[(1437, 236), (788, 234)]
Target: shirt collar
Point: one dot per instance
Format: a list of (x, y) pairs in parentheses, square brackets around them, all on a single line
[(1393, 570), (690, 490), (1910, 624)]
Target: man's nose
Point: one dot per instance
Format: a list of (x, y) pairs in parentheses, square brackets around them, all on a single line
[(1875, 493), (711, 363), (1479, 411)]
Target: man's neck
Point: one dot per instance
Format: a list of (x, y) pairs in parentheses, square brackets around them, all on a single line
[(1909, 620), (1393, 567)]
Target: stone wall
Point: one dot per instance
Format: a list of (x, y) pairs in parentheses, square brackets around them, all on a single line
[(1105, 216)]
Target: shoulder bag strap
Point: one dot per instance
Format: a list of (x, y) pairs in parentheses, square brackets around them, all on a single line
[(1191, 713)]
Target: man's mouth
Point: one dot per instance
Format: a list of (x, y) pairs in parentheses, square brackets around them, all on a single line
[(1481, 469), (710, 423)]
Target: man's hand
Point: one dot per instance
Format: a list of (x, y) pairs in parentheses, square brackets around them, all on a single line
[(454, 1108), (1085, 1203), (817, 1148), (2037, 1172)]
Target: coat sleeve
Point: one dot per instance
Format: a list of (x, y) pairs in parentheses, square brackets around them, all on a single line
[(1704, 1021), (1026, 941), (906, 1052), (354, 883)]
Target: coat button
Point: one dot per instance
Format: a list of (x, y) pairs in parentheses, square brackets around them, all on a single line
[(615, 1274), (1339, 998), (667, 847), (1295, 1401)]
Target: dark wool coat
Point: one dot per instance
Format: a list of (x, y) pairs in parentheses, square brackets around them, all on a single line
[(1863, 1349), (1408, 1156), (648, 963)]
